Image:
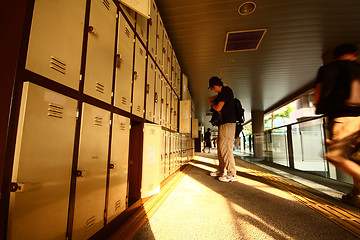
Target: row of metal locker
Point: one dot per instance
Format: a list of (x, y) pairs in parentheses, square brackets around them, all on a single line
[(55, 52), (43, 163), (111, 54)]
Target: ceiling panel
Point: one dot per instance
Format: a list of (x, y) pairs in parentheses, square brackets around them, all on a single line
[(298, 33)]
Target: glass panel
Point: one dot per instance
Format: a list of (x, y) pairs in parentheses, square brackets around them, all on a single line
[(308, 147), (280, 146)]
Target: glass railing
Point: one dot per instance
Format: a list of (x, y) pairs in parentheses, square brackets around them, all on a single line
[(299, 146)]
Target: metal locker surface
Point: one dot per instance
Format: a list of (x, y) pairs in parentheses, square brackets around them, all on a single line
[(163, 102), (159, 42), (165, 51), (141, 27), (92, 170), (139, 80), (54, 49), (163, 142), (124, 65), (129, 13), (150, 90), (168, 104), (185, 116), (150, 182), (118, 166), (100, 50), (42, 165), (167, 157), (152, 29), (158, 82)]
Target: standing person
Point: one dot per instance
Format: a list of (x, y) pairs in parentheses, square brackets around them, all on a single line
[(337, 96), (207, 140), (224, 105)]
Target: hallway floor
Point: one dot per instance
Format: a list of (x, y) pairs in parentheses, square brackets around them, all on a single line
[(262, 205)]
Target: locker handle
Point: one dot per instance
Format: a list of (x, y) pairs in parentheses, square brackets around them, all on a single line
[(14, 187), (135, 75), (156, 97), (24, 187), (92, 31), (150, 21), (118, 60), (147, 88), (111, 166), (79, 173)]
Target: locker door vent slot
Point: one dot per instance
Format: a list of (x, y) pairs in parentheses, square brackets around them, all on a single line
[(138, 108), (152, 66), (100, 87), (152, 131), (122, 127), (123, 100), (127, 32), (106, 4), (150, 186), (57, 65), (141, 52), (117, 205), (55, 110), (98, 121), (90, 222)]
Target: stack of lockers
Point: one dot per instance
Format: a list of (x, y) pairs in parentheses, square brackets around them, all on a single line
[(92, 69)]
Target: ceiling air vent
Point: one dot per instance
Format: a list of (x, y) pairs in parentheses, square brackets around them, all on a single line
[(244, 40)]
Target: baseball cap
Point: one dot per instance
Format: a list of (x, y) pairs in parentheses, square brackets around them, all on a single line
[(215, 81)]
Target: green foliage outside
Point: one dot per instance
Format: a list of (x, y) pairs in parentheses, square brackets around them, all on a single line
[(279, 117)]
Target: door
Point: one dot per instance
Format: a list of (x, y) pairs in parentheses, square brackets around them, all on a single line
[(150, 91), (118, 166), (91, 172), (124, 65), (139, 80), (54, 49), (150, 183), (100, 50), (42, 165)]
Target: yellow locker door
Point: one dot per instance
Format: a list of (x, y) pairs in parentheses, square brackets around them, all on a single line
[(141, 27), (54, 49), (150, 183), (139, 80), (42, 165), (152, 29), (100, 50), (92, 171), (163, 102), (159, 42), (150, 91), (158, 82), (124, 65), (118, 166)]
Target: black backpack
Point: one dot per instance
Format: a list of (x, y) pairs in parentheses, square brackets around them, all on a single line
[(239, 111), (239, 115)]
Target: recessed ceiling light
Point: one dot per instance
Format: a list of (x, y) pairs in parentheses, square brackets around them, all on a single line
[(247, 8)]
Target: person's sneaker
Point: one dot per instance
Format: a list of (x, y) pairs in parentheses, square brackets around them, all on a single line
[(227, 178), (216, 174), (352, 197)]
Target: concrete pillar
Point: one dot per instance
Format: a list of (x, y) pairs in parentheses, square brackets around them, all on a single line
[(257, 119)]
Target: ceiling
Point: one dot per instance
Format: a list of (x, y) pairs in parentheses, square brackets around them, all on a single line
[(286, 61)]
